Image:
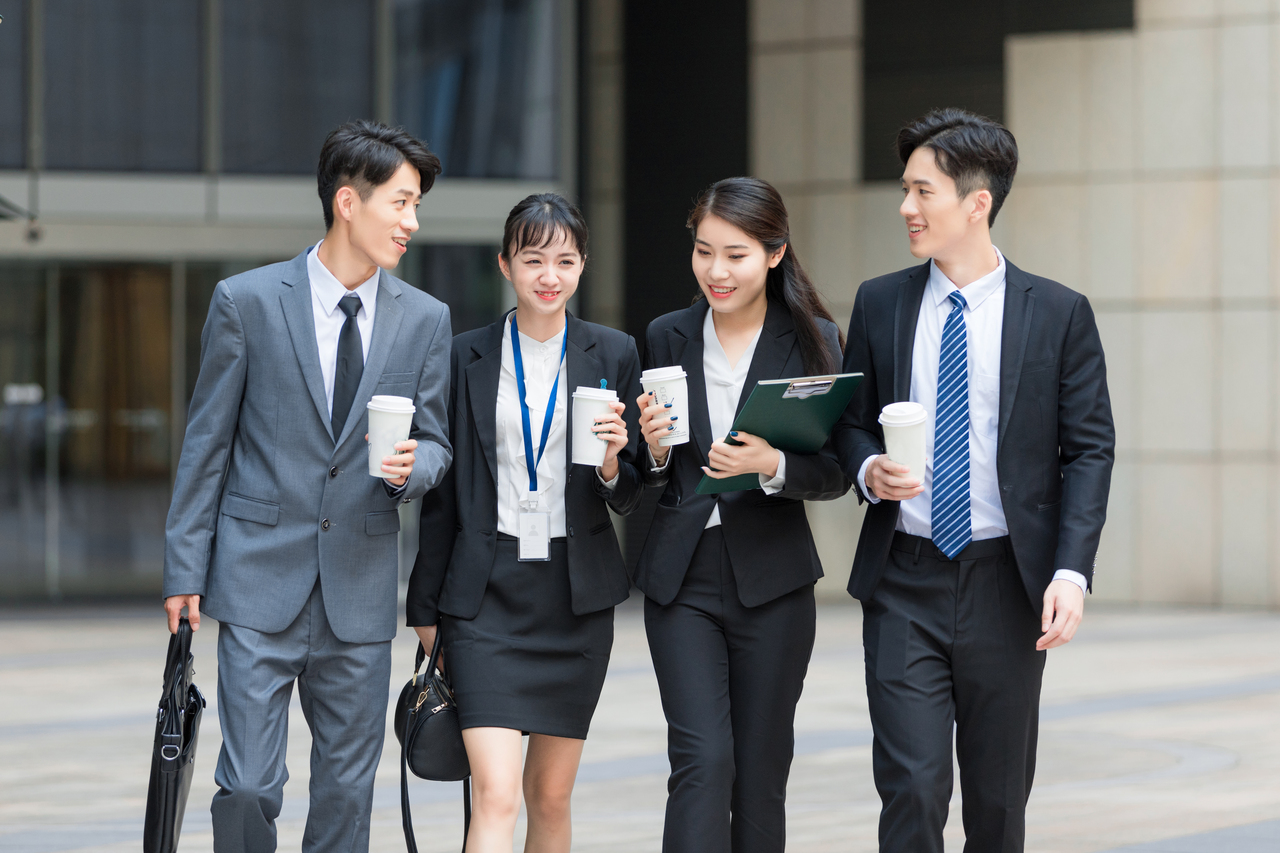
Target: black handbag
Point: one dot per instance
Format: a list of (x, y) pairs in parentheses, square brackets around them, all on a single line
[(173, 755), (430, 736)]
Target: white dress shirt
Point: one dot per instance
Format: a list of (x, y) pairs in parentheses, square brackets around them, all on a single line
[(724, 387), (984, 325), (326, 292), (540, 374)]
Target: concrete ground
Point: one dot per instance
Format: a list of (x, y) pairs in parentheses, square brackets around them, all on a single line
[(1160, 733)]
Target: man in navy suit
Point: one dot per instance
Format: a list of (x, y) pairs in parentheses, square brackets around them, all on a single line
[(969, 574)]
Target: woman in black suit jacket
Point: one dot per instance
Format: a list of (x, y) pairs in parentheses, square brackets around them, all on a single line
[(527, 643), (728, 579)]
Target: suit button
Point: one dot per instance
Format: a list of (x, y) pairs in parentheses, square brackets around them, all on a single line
[(570, 531), (324, 525), (333, 472)]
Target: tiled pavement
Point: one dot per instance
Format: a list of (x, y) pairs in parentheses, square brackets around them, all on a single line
[(1160, 733)]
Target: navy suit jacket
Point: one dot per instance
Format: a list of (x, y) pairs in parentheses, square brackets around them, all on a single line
[(1056, 439)]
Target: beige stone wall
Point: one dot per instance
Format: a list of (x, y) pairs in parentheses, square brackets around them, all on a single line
[(1150, 181)]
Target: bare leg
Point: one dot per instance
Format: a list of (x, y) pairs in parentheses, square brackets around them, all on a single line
[(495, 756), (549, 772)]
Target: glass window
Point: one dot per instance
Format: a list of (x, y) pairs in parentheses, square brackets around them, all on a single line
[(22, 429), (466, 278), (13, 101), (477, 80), (292, 70), (122, 84)]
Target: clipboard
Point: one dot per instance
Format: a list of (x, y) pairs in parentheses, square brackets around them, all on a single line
[(795, 415)]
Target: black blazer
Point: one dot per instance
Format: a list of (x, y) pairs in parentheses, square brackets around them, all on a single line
[(1056, 440), (768, 537), (460, 518)]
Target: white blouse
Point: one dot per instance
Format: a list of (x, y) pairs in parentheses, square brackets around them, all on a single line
[(513, 474), (724, 386)]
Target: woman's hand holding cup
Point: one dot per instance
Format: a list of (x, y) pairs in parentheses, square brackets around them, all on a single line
[(656, 421), (612, 429)]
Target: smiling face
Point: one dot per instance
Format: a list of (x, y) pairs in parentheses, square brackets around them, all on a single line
[(730, 266), (544, 277), (380, 226), (938, 220)]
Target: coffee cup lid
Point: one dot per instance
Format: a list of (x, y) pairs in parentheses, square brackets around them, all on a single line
[(902, 414), (587, 392), (657, 374), (394, 405)]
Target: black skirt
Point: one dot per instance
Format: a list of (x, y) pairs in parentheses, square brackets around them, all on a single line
[(526, 661)]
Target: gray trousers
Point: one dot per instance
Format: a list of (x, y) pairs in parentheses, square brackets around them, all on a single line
[(950, 646), (343, 691)]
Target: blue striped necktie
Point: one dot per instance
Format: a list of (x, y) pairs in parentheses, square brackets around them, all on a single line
[(952, 529)]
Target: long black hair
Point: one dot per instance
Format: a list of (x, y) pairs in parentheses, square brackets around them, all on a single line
[(756, 208)]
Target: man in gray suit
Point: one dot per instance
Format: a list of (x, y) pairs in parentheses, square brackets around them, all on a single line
[(276, 526)]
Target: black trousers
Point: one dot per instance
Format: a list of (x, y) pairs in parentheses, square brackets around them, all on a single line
[(950, 645), (730, 678)]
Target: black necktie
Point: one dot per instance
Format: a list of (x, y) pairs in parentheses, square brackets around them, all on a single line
[(349, 366)]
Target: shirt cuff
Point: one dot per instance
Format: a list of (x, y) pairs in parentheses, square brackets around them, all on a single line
[(654, 466), (773, 485), (1075, 577), (609, 484), (395, 492), (862, 481)]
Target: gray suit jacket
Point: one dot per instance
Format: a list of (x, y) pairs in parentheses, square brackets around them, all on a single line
[(266, 500)]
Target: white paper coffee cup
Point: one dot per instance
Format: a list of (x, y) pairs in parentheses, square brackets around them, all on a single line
[(904, 426), (590, 405), (669, 385), (390, 419)]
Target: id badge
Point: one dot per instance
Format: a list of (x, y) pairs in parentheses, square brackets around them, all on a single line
[(535, 532)]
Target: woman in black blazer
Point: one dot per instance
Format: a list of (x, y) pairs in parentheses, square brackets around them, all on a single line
[(728, 579), (527, 643)]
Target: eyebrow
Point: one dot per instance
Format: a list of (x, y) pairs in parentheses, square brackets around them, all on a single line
[(925, 181), (408, 192), (733, 246)]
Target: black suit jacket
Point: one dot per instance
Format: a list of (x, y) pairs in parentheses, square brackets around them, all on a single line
[(1056, 440), (460, 518), (768, 537)]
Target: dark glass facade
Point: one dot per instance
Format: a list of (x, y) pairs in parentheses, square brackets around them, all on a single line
[(478, 80), (292, 70), (122, 85), (13, 73)]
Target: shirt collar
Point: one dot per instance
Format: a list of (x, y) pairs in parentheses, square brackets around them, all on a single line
[(330, 291), (712, 346), (975, 293)]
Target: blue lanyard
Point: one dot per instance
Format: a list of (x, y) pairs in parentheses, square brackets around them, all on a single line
[(529, 459)]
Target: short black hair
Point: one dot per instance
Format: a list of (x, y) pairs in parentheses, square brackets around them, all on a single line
[(365, 154), (972, 150), (540, 218)]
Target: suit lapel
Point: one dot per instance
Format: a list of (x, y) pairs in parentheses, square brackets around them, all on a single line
[(686, 350), (386, 325), (582, 369), (906, 316), (773, 350), (482, 390), (1019, 302), (298, 317)]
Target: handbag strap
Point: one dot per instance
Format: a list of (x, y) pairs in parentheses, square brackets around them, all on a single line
[(406, 818), (175, 666)]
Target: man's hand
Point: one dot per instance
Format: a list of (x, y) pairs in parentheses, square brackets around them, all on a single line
[(173, 606), (1063, 610), (754, 456), (401, 464), (889, 481), (427, 636)]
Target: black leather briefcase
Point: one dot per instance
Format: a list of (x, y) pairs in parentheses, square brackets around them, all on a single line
[(174, 753)]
